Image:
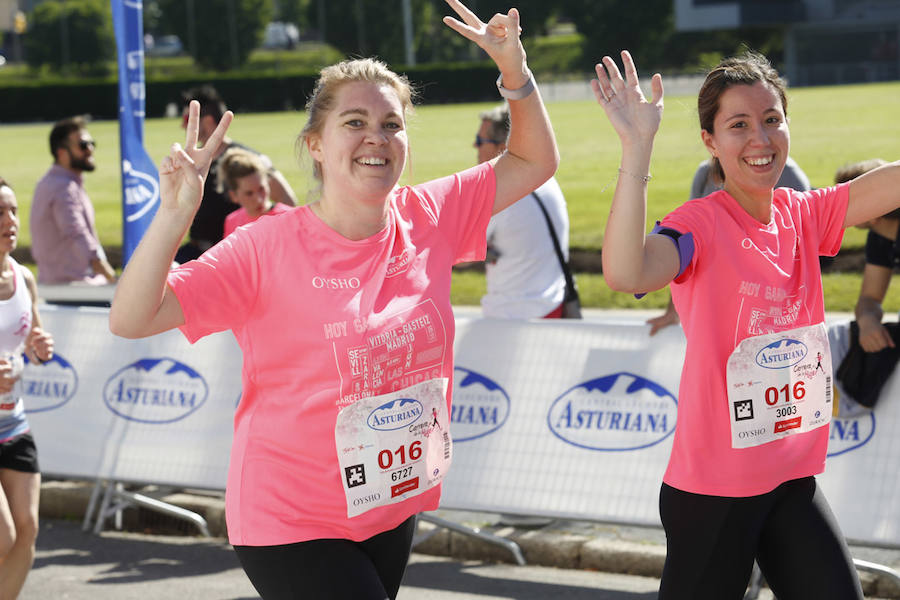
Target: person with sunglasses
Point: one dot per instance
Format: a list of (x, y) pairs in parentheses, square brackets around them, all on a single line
[(64, 241), (523, 274)]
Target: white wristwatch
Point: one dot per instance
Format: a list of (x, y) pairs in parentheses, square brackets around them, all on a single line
[(518, 94)]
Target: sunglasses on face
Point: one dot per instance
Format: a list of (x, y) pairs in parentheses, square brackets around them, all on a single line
[(85, 144), (480, 141)]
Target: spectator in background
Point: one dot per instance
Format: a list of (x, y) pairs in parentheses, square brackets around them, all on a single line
[(882, 255), (524, 276), (208, 226), (705, 183), (64, 240), (245, 177)]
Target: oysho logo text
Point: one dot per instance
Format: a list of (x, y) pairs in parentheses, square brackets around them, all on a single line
[(335, 283)]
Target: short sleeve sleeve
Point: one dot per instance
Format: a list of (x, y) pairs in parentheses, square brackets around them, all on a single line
[(828, 206), (461, 207), (218, 290), (691, 219)]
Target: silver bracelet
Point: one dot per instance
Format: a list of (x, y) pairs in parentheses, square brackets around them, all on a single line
[(644, 178), (522, 92)]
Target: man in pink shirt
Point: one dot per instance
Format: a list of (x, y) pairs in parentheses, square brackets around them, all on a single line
[(64, 240)]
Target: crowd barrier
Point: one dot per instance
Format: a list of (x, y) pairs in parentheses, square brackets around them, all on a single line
[(555, 418)]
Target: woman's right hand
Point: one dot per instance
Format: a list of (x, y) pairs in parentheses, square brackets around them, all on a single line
[(631, 115), (183, 171)]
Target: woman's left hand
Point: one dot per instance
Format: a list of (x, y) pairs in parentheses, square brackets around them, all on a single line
[(499, 37)]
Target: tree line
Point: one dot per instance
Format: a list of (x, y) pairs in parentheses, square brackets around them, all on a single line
[(221, 34)]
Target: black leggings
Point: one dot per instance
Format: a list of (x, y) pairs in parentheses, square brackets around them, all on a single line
[(713, 540), (331, 569)]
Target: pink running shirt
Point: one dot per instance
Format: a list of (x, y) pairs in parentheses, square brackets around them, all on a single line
[(239, 217), (320, 320), (746, 278)]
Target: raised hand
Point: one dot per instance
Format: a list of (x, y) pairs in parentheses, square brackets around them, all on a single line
[(631, 115), (183, 171), (39, 345), (499, 37)]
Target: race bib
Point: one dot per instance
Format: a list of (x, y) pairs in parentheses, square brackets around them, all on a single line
[(394, 446), (779, 385)]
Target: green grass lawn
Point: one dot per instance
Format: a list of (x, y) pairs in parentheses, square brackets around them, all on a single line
[(830, 125)]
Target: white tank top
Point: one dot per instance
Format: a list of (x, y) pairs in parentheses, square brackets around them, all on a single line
[(15, 323)]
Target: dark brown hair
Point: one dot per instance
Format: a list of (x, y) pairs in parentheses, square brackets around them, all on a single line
[(61, 130)]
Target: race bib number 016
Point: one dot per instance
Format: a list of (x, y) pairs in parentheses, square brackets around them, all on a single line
[(394, 446), (779, 385)]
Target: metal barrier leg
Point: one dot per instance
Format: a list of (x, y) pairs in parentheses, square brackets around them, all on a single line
[(477, 533), (885, 571), (755, 583), (103, 511), (165, 508), (92, 504), (116, 499)]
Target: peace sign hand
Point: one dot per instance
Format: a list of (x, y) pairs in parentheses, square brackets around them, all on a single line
[(184, 170), (631, 115), (499, 37)]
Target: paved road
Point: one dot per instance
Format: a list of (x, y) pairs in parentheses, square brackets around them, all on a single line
[(72, 565)]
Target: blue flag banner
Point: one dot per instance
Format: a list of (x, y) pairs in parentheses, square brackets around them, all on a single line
[(140, 179)]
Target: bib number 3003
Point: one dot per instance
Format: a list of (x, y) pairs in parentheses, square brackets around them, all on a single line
[(779, 385)]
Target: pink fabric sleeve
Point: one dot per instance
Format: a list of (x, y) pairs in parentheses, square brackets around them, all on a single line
[(461, 206), (218, 290), (689, 218), (828, 207)]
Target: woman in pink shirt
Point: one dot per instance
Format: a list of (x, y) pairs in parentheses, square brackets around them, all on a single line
[(342, 311), (246, 178), (754, 405)]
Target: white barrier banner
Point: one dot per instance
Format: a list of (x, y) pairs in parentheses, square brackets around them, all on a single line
[(574, 419), (156, 410), (570, 419)]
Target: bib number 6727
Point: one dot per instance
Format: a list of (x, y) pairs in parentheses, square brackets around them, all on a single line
[(797, 392)]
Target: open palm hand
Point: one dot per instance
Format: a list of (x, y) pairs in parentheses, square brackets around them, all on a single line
[(631, 115)]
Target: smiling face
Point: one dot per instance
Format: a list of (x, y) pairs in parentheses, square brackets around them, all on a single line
[(362, 146), (9, 220), (750, 138), (251, 193)]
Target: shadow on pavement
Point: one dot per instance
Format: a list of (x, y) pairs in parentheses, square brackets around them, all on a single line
[(133, 558), (460, 578)]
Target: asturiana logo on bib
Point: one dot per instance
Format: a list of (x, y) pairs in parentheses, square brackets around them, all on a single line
[(395, 414), (480, 405), (850, 433), (782, 354), (49, 385), (155, 390), (622, 411)]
